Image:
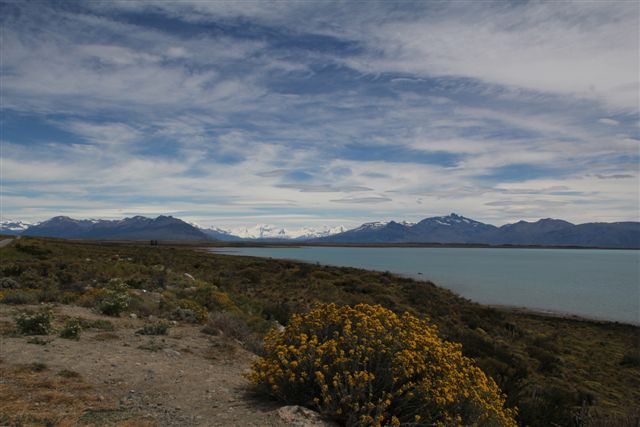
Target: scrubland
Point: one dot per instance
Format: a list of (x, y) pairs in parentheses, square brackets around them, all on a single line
[(182, 314)]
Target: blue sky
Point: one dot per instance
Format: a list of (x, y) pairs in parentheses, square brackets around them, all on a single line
[(320, 113)]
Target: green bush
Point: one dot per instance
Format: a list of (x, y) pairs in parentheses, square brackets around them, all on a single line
[(12, 269), (631, 359), (116, 299), (156, 328), (227, 324), (19, 297), (71, 329), (367, 366), (8, 283), (190, 311), (38, 323), (32, 248)]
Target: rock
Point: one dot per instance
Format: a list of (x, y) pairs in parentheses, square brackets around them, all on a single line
[(171, 353), (188, 276), (279, 326), (299, 416), (133, 315)]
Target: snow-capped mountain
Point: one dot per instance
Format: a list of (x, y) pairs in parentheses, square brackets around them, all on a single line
[(370, 226), (260, 231), (13, 227), (313, 233), (452, 228), (268, 231), (455, 228)]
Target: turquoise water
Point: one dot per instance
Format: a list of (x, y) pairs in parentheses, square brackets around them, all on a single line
[(599, 284)]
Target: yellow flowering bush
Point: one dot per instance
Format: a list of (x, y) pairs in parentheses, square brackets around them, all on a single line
[(367, 366)]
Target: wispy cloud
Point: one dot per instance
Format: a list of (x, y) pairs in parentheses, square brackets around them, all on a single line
[(301, 113)]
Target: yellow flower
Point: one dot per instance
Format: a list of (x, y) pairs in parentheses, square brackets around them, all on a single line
[(382, 367)]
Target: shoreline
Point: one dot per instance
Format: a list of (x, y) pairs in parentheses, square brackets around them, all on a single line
[(516, 309), (286, 244), (556, 314)]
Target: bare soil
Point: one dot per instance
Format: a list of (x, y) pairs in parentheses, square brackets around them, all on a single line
[(118, 377)]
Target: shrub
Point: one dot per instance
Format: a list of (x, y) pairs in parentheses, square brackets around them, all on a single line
[(213, 299), (12, 269), (190, 311), (38, 323), (8, 283), (101, 324), (156, 328), (368, 366), (631, 359), (19, 297), (32, 249), (66, 373), (228, 324), (71, 329), (116, 299), (92, 297)]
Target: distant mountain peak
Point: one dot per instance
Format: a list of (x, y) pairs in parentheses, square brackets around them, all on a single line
[(134, 228)]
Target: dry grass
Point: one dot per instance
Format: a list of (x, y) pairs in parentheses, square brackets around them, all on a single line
[(33, 396)]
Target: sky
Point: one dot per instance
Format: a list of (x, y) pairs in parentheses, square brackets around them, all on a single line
[(298, 114)]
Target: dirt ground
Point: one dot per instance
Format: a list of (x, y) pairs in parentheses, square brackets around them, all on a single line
[(118, 377)]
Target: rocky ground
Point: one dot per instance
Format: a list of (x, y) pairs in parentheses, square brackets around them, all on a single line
[(118, 377)]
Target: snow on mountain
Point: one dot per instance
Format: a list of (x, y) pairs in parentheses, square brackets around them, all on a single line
[(312, 233), (260, 231), (268, 231), (15, 226), (407, 223), (453, 219), (368, 226)]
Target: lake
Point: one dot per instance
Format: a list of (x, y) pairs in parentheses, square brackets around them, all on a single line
[(598, 284)]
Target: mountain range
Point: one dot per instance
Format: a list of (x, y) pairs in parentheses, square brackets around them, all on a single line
[(135, 228), (458, 229), (450, 229)]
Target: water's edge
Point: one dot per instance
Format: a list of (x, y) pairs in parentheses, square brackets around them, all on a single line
[(539, 311)]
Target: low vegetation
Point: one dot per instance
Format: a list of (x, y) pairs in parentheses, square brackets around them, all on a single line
[(367, 366), (38, 323), (555, 371), (71, 329), (155, 328)]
